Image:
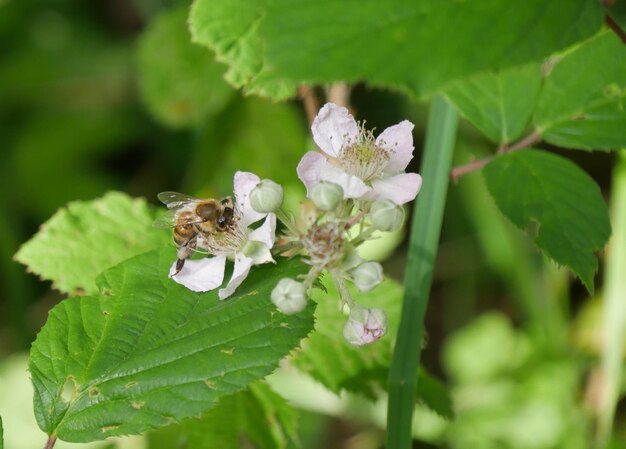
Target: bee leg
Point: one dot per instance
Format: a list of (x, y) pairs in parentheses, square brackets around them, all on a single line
[(185, 252), (179, 266)]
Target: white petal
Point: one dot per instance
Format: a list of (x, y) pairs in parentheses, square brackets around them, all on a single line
[(240, 272), (334, 128), (314, 167), (309, 169), (266, 233), (398, 188), (201, 275), (398, 140), (244, 182)]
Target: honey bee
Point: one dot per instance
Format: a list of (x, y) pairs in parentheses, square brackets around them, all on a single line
[(192, 217)]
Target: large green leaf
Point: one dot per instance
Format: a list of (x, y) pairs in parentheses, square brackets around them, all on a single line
[(499, 104), (583, 102), (231, 30), (180, 82), (328, 358), (147, 352), (81, 241), (419, 46), (572, 217), (256, 417)]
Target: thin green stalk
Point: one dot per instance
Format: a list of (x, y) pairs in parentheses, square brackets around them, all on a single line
[(425, 231), (614, 310)]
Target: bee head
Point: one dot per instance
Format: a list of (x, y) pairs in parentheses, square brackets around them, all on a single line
[(225, 218)]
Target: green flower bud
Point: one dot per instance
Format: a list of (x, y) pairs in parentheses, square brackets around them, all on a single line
[(266, 197), (386, 215), (367, 276), (289, 296), (327, 195), (365, 326)]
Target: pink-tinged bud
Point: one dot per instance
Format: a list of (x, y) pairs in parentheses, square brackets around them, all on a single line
[(365, 326)]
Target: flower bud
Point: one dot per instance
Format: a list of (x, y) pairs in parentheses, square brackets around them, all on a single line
[(367, 276), (386, 215), (266, 197), (289, 296), (327, 195), (365, 326)]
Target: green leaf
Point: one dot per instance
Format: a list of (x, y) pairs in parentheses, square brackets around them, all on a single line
[(231, 30), (79, 242), (332, 361), (1, 435), (256, 417), (252, 136), (572, 217), (180, 82), (499, 104), (147, 352), (419, 46), (583, 102)]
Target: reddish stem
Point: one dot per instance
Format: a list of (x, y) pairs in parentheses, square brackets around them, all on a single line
[(51, 442), (614, 26), (528, 141), (309, 99)]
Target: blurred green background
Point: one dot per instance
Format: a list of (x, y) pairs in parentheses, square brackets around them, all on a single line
[(111, 95)]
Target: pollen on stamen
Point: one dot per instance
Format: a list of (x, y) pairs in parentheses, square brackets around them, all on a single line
[(363, 158)]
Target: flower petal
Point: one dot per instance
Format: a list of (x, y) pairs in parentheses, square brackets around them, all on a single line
[(398, 188), (314, 167), (201, 275), (264, 237), (398, 140), (266, 233), (240, 272), (244, 182), (334, 128)]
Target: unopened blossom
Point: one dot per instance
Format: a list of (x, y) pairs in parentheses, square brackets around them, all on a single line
[(367, 276), (365, 167), (247, 247), (289, 296), (386, 215), (365, 326), (267, 196)]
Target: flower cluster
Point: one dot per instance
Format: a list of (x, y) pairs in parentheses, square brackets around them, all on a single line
[(356, 185)]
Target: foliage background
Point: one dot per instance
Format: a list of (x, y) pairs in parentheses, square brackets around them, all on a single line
[(112, 95)]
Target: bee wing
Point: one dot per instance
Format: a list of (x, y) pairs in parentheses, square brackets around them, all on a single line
[(168, 219), (175, 200)]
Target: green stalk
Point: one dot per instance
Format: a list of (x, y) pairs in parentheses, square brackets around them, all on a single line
[(425, 231), (614, 309)]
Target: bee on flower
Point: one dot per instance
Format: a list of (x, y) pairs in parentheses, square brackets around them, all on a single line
[(356, 185)]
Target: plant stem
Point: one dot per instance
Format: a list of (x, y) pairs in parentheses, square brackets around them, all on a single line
[(51, 442), (614, 309), (614, 26), (425, 231), (528, 141), (309, 99)]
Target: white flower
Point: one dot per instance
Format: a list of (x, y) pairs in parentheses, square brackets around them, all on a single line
[(245, 246), (364, 167)]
